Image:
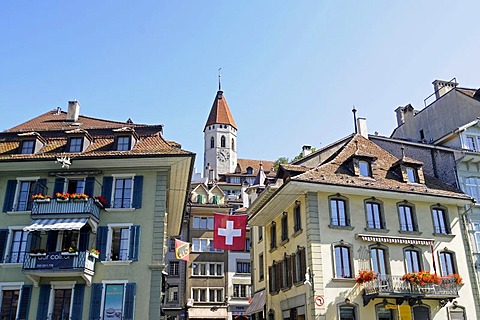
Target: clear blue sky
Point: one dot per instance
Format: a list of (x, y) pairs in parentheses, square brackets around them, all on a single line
[(291, 70)]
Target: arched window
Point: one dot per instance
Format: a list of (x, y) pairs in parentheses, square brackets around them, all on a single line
[(212, 142), (421, 312), (374, 212), (343, 260), (413, 259), (347, 311), (233, 144), (383, 313), (222, 142), (379, 260), (407, 217), (339, 216), (447, 263), (249, 170)]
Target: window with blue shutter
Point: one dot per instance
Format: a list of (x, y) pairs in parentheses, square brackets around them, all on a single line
[(9, 195), (107, 190), (102, 233), (89, 185), (44, 298), (52, 237), (59, 185), (134, 242), (33, 240), (137, 192), (95, 301), (40, 187), (129, 306), (24, 304), (84, 239), (77, 306), (3, 243)]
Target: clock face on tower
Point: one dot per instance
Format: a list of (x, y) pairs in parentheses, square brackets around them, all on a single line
[(223, 155)]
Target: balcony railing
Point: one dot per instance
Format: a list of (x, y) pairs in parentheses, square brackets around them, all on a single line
[(59, 262), (394, 287), (70, 206)]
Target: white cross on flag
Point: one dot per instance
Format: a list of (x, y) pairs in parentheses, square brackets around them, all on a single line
[(229, 231)]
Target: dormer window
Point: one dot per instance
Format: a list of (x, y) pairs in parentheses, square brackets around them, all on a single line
[(125, 139), (411, 174), (364, 168), (124, 143), (249, 170), (27, 147), (76, 144)]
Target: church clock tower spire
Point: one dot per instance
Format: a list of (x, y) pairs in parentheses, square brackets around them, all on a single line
[(220, 137)]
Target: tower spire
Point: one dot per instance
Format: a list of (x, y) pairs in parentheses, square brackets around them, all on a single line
[(354, 111), (219, 80)]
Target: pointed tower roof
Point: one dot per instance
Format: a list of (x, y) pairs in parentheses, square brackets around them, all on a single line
[(220, 112)]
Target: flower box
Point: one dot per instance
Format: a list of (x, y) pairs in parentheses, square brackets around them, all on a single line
[(41, 200), (66, 253), (37, 254), (422, 278), (62, 200), (365, 276), (96, 256)]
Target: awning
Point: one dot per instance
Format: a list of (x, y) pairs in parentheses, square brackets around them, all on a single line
[(395, 239), (172, 311), (207, 313), (56, 224), (257, 303)]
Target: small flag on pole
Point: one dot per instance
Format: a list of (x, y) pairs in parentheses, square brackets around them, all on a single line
[(182, 250), (229, 231)]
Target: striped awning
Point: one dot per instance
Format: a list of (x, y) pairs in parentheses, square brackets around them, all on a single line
[(395, 239), (56, 224), (257, 303)]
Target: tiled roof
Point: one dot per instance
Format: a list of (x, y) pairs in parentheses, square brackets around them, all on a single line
[(52, 128), (295, 167), (335, 172), (243, 164), (220, 112), (468, 92)]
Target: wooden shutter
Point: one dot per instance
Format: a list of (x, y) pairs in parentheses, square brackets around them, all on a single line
[(137, 192), (95, 301), (3, 243), (52, 241), (9, 195), (102, 233), (58, 186), (89, 186), (77, 305), (129, 307), (107, 189), (84, 238), (134, 243), (44, 298), (24, 304)]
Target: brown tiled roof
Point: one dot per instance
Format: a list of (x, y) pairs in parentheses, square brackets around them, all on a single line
[(336, 172), (468, 92), (53, 127), (243, 164), (220, 112), (295, 168)]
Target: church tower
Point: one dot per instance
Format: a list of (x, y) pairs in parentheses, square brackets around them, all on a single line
[(220, 135)]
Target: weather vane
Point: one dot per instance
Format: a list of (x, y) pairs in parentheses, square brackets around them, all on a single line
[(219, 81)]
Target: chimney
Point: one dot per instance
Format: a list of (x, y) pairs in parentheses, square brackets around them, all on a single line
[(442, 87), (73, 110), (404, 114), (306, 150), (362, 127)]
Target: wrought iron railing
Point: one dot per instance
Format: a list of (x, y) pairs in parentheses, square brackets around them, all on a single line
[(394, 285), (59, 261), (70, 206)]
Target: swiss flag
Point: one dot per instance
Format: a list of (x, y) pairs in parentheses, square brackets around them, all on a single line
[(229, 231)]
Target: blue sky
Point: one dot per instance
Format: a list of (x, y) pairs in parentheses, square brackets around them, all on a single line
[(291, 70)]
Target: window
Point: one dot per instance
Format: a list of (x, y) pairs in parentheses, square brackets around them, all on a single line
[(10, 304), (472, 185), (407, 221), (338, 213), (284, 227), (234, 180), (24, 195), (233, 144), (412, 260), (364, 168), (222, 142), (342, 262), (374, 216), (172, 294), (171, 246), (113, 299), (207, 269), (383, 313), (249, 170), (476, 229), (122, 195), (27, 147), (118, 242), (76, 185), (207, 294), (173, 268), (421, 312), (260, 233), (440, 221), (248, 244), (76, 145), (457, 313), (18, 244), (205, 223), (347, 312), (204, 245), (297, 218), (241, 291), (273, 236), (473, 143), (243, 267), (300, 265), (260, 267), (411, 174), (379, 260), (61, 303), (67, 239), (124, 143), (212, 142), (447, 263)]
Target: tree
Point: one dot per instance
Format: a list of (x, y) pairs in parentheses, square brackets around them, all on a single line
[(280, 161)]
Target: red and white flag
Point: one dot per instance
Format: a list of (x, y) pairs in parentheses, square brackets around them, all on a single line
[(229, 231), (182, 250)]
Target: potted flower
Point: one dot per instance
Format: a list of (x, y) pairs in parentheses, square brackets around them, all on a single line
[(70, 251), (37, 252), (40, 197), (95, 253), (456, 277), (101, 201), (421, 278), (365, 276), (79, 196), (62, 196)]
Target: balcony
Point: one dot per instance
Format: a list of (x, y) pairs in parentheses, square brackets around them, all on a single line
[(59, 264), (78, 208), (387, 286)]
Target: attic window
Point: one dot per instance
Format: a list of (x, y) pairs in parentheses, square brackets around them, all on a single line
[(123, 143), (412, 174), (76, 144), (364, 168), (27, 147), (249, 170)]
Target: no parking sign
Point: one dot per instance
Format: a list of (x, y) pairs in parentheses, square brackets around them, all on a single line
[(319, 301)]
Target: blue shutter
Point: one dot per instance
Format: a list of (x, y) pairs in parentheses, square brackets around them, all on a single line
[(137, 192), (102, 233), (84, 238), (77, 306), (129, 306), (95, 301), (44, 298), (52, 241), (9, 195), (107, 189), (89, 185), (3, 243), (58, 186), (24, 302), (40, 187), (134, 243)]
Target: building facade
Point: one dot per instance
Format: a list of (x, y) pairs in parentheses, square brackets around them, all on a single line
[(87, 206)]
